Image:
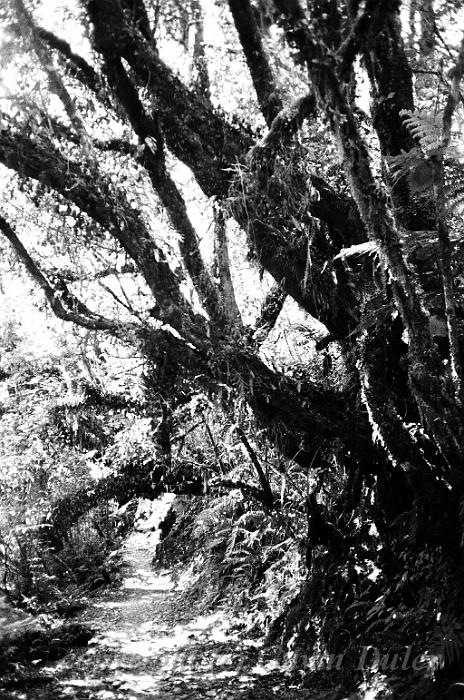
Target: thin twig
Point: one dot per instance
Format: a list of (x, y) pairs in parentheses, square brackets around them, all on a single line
[(263, 480)]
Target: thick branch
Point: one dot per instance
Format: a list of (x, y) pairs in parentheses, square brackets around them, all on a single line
[(201, 140), (153, 158), (391, 80), (308, 412), (31, 33), (255, 54), (134, 480), (453, 96), (189, 243), (435, 404), (223, 273), (283, 406), (196, 135), (402, 448), (105, 205), (351, 45), (372, 206), (211, 148), (71, 276), (288, 120), (201, 77), (391, 74), (276, 213), (204, 142), (337, 211), (428, 27), (292, 413), (139, 17), (65, 132), (63, 303), (77, 66), (270, 312)]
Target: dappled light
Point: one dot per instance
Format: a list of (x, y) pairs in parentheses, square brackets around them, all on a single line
[(148, 643)]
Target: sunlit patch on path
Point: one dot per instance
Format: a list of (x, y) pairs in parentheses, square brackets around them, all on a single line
[(149, 645)]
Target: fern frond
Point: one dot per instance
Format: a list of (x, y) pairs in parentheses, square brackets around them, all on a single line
[(369, 248), (404, 163), (357, 606), (447, 641), (374, 627), (424, 126)]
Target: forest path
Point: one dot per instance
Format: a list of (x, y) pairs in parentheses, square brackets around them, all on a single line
[(149, 644)]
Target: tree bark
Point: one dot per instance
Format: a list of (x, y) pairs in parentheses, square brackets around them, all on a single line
[(258, 64)]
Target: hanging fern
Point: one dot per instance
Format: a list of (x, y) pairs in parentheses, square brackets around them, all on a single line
[(413, 165), (447, 641), (418, 164), (425, 127)]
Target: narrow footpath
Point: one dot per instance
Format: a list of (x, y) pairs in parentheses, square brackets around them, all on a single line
[(148, 644)]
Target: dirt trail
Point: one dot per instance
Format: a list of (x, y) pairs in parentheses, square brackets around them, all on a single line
[(149, 645)]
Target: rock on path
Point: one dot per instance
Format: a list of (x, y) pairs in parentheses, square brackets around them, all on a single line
[(149, 645)]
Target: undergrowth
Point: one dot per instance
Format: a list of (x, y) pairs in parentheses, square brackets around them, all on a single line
[(39, 578), (349, 620), (51, 585), (232, 552)]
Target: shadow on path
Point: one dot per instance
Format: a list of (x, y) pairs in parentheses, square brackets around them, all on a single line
[(148, 645)]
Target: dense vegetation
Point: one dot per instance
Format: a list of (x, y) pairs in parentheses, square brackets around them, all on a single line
[(245, 217)]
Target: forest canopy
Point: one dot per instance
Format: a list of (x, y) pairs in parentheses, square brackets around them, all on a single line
[(256, 206)]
